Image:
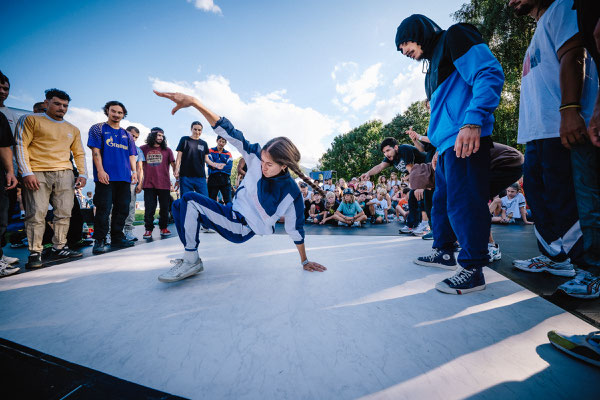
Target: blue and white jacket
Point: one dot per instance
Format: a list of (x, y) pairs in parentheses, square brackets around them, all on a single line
[(464, 79), (262, 201)]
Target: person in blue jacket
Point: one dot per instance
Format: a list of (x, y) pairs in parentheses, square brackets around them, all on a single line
[(463, 85), (266, 194), (219, 176)]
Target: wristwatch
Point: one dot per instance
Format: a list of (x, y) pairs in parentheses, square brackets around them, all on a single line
[(305, 262)]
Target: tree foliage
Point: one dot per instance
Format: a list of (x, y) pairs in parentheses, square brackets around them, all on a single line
[(357, 151)]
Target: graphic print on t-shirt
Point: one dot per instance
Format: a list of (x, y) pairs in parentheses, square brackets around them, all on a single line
[(154, 158)]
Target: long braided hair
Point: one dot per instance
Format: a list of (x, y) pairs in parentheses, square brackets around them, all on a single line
[(284, 152)]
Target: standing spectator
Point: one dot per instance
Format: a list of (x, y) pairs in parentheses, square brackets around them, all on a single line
[(39, 107), (44, 145), (192, 154), (7, 181), (4, 92), (552, 119), (136, 187), (157, 181), (89, 200), (463, 75), (219, 176), (114, 154)]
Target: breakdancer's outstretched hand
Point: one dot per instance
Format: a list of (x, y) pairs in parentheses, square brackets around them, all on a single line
[(181, 100)]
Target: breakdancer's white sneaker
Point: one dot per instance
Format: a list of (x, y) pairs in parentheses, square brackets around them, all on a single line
[(182, 269)]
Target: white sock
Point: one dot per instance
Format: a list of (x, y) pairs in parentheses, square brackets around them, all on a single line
[(191, 256)]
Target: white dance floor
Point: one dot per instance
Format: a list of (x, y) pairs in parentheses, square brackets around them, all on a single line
[(254, 325)]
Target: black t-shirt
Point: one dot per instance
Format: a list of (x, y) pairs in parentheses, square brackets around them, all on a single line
[(6, 139), (193, 153), (319, 207), (405, 155)]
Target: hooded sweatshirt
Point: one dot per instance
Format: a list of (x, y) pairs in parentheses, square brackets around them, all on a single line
[(463, 82), (261, 200)]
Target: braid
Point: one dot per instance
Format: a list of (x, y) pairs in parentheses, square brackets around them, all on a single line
[(306, 179)]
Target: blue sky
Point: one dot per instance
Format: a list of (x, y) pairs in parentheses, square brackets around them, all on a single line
[(308, 70)]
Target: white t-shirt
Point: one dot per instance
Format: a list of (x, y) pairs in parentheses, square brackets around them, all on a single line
[(539, 117), (380, 206), (369, 185), (513, 206), (11, 116), (328, 188)]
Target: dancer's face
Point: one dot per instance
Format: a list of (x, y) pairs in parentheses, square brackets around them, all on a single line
[(411, 50), (269, 167)]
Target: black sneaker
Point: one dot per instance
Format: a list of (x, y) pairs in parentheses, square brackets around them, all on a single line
[(99, 247), (122, 243), (34, 261), (64, 253), (438, 258), (464, 281)]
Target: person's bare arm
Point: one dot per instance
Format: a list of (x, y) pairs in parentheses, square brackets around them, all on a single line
[(177, 165), (572, 70), (183, 101), (97, 159), (594, 125), (311, 265), (132, 163), (375, 170), (6, 155), (140, 176), (524, 215)]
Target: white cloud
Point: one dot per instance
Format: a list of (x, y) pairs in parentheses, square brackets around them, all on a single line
[(409, 87), (84, 118), (206, 5), (354, 90), (264, 116)]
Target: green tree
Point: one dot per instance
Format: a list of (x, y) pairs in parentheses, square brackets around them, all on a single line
[(508, 37), (354, 152), (357, 151)]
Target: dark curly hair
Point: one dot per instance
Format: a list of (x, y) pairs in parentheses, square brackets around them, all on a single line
[(151, 139), (114, 103)]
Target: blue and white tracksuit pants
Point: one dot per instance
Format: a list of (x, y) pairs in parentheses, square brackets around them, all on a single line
[(194, 210)]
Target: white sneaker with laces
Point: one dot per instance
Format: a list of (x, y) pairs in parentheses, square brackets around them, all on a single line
[(583, 286), (181, 270), (494, 253), (543, 263), (10, 260), (421, 229), (6, 269)]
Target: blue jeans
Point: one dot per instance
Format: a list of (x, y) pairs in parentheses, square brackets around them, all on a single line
[(192, 184), (585, 159)]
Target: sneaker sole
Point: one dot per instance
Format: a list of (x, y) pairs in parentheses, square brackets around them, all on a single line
[(581, 296), (571, 348), (170, 280), (30, 266), (445, 289), (557, 272), (426, 264)]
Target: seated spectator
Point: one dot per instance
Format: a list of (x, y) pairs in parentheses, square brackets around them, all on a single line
[(331, 205), (495, 207), (395, 195), (402, 206), (328, 186), (393, 181), (513, 206), (366, 180), (380, 207), (342, 184), (382, 182), (307, 197), (317, 206), (353, 184), (349, 212), (339, 195)]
